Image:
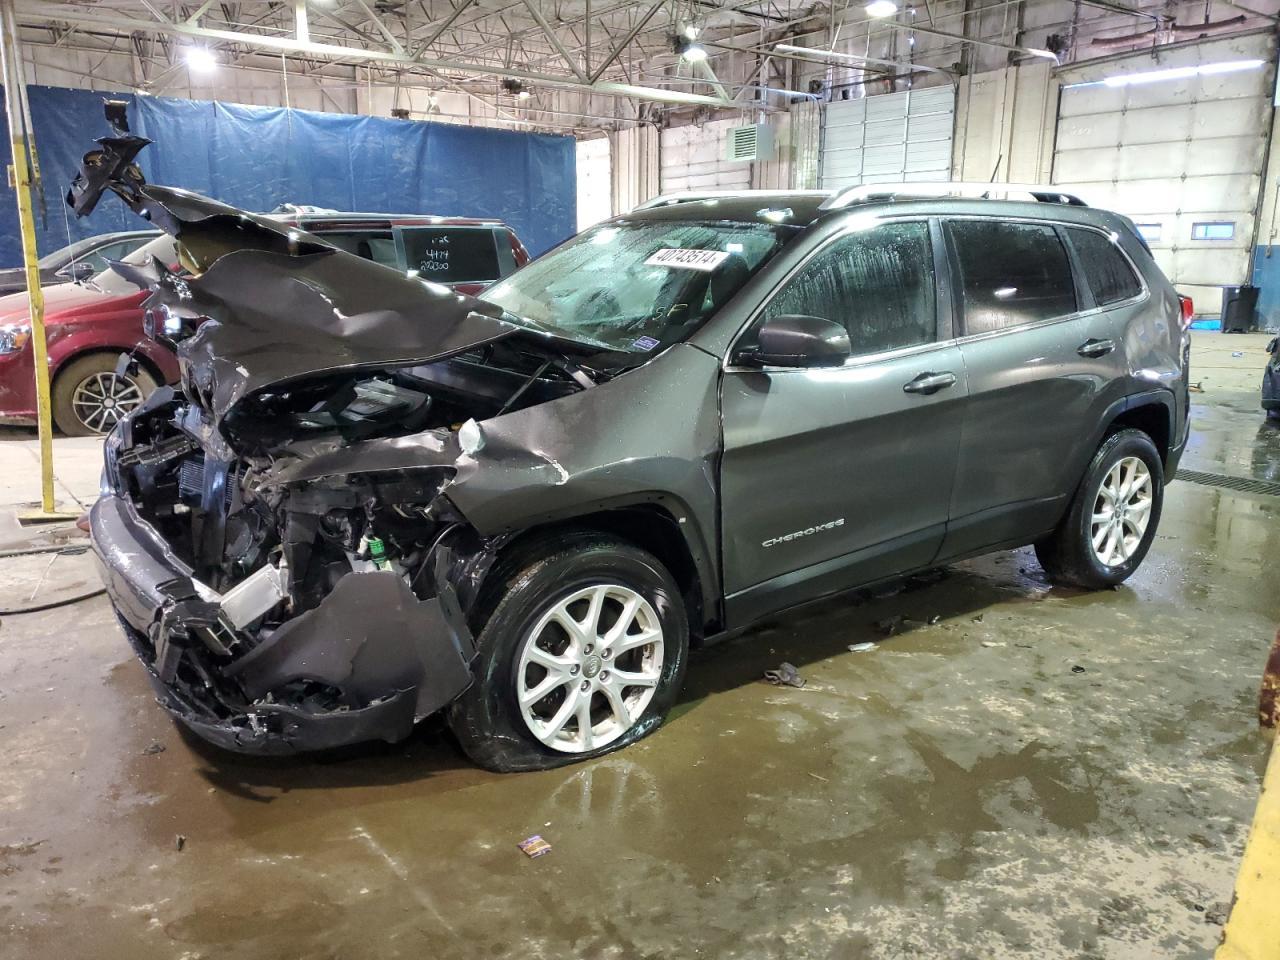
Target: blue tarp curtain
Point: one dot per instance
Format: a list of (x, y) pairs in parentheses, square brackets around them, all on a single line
[(258, 157)]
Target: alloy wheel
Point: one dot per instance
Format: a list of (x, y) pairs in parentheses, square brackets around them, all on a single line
[(589, 667), (1121, 511), (101, 400)]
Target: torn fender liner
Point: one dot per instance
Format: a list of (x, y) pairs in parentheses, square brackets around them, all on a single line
[(368, 637)]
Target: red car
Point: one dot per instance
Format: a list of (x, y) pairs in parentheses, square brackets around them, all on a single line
[(89, 324)]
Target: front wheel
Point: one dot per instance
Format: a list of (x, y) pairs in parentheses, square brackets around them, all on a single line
[(1112, 519), (583, 652)]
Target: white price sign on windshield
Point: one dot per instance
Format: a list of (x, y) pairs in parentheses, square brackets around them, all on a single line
[(706, 260)]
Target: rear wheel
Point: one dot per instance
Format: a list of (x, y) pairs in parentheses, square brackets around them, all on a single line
[(1113, 517), (582, 652), (89, 398)]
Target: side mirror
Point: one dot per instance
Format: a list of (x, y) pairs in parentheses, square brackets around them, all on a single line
[(77, 270), (796, 340)]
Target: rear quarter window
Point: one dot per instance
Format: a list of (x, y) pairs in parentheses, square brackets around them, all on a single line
[(1107, 271), (451, 254)]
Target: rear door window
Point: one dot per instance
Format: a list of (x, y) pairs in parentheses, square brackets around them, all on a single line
[(1011, 273), (446, 254), (878, 283), (1106, 269)]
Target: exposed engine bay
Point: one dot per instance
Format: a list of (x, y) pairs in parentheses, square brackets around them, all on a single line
[(219, 501)]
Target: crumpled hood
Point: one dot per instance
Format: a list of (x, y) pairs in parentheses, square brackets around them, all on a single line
[(275, 317), (276, 304)]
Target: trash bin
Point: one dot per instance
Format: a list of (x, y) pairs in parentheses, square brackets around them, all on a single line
[(1238, 306)]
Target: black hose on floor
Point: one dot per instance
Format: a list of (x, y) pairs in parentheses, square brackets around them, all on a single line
[(69, 550)]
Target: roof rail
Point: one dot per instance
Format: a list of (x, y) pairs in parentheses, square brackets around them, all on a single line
[(1044, 193), (694, 196)]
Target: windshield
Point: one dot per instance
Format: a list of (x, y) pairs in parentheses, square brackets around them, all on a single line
[(633, 287), (108, 281)]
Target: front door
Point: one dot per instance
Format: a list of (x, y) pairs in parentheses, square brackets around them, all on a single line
[(838, 476)]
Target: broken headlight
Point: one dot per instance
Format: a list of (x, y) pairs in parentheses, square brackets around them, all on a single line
[(162, 323)]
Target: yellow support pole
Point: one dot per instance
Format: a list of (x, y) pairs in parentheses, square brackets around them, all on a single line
[(1253, 928), (15, 97)]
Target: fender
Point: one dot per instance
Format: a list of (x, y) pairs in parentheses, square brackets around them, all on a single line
[(686, 524), (1161, 397)]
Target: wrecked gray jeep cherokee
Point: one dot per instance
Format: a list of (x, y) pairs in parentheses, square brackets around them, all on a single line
[(372, 499)]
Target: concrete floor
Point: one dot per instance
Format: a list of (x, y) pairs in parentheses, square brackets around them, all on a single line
[(1043, 773)]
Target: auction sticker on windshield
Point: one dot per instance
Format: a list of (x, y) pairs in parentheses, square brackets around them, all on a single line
[(688, 259)]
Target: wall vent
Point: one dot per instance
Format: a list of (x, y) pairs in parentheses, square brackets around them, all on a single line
[(749, 143)]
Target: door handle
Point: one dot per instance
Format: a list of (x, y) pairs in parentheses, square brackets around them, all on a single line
[(930, 382), (1096, 348)]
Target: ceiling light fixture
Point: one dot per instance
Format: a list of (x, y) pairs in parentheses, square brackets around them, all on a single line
[(691, 51), (691, 31), (881, 8), (1172, 73), (1179, 73), (201, 59)]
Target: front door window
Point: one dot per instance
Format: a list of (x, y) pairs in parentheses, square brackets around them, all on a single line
[(878, 283)]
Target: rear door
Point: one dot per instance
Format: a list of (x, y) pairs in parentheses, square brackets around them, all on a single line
[(1029, 402), (1115, 288), (837, 476)]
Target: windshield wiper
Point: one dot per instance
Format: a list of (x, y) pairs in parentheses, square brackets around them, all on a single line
[(574, 370), (564, 361)]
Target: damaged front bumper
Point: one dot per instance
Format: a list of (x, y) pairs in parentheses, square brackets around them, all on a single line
[(396, 657)]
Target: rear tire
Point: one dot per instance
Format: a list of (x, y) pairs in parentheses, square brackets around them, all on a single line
[(89, 399), (1112, 519), (562, 625)]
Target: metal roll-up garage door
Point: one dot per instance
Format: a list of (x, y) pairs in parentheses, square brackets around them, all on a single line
[(888, 138), (1181, 154), (693, 158)]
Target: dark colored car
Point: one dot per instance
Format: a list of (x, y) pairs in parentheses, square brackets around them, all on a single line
[(462, 253), (1271, 380), (77, 261), (88, 324), (522, 511)]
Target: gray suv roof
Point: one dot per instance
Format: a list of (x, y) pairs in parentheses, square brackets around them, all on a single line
[(806, 207)]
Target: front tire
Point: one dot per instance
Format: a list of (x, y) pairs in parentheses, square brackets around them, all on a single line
[(89, 399), (582, 651), (1112, 518)]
